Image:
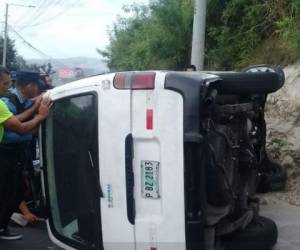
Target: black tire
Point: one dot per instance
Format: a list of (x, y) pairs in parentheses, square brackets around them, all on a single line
[(266, 68), (261, 234), (244, 83), (273, 177)]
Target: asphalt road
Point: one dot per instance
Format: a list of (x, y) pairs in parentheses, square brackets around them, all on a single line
[(287, 218), (34, 238)]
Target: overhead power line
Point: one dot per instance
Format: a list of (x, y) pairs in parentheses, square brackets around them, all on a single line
[(33, 47), (43, 18), (40, 10), (27, 18), (52, 18), (28, 43), (27, 15)]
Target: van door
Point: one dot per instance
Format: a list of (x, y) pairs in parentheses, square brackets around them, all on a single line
[(158, 166), (153, 161), (83, 157), (117, 207)]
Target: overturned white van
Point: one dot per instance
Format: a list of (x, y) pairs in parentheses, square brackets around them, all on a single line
[(158, 160)]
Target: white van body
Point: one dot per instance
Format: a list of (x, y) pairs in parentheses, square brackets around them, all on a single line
[(159, 221), (120, 153)]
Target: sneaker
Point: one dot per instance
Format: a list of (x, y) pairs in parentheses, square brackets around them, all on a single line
[(5, 234), (19, 219)]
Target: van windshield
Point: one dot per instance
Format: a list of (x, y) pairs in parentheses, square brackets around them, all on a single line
[(72, 171)]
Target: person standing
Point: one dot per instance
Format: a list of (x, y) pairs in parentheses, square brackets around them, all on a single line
[(27, 86), (48, 81), (10, 173)]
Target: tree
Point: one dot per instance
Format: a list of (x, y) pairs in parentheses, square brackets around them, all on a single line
[(238, 33), (242, 32), (157, 36), (13, 60)]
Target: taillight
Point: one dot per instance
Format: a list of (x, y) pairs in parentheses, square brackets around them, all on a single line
[(134, 80), (119, 81), (149, 118)]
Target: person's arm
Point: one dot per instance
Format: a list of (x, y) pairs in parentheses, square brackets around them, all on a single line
[(27, 114), (15, 125), (30, 217)]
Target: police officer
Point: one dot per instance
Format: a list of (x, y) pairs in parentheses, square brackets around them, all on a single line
[(10, 169)]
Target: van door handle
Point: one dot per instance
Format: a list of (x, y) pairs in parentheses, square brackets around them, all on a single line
[(129, 179)]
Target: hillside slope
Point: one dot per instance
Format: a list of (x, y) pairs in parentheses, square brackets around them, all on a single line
[(283, 136)]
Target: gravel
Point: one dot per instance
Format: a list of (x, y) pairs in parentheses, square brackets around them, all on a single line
[(283, 132)]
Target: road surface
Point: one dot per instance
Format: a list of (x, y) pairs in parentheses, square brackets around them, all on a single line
[(287, 218), (34, 238)]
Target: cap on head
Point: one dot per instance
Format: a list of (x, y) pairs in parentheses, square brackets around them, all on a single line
[(13, 75), (27, 77), (24, 78)]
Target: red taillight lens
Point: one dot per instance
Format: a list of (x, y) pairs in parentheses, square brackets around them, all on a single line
[(134, 80), (149, 118), (143, 80)]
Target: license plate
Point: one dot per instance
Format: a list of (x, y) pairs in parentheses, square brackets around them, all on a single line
[(150, 179)]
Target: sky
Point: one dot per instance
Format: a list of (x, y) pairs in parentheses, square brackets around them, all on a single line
[(61, 28)]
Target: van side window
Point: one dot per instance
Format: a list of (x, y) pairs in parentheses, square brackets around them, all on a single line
[(73, 171)]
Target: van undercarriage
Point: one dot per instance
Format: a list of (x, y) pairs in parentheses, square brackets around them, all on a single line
[(224, 150)]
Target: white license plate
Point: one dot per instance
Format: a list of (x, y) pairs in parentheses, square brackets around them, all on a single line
[(150, 179)]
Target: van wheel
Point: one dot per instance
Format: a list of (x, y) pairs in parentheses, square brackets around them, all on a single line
[(257, 79), (246, 83), (266, 68), (260, 234), (273, 178)]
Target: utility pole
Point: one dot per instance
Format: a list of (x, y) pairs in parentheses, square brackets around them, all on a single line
[(5, 38), (198, 44), (5, 30)]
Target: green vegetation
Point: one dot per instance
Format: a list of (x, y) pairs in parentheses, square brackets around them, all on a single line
[(253, 31), (239, 33), (156, 36), (13, 60)]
